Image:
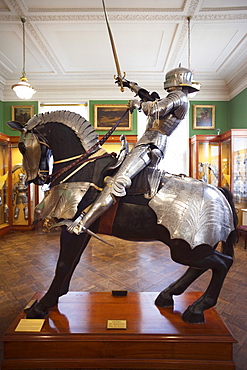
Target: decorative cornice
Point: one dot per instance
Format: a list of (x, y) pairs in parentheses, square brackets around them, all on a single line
[(238, 83), (4, 72)]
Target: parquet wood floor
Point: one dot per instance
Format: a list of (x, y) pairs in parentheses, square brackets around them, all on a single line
[(28, 259)]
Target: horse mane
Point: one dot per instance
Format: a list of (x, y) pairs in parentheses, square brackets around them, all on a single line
[(82, 128)]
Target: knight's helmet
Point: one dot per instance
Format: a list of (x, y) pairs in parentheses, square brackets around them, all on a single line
[(181, 77)]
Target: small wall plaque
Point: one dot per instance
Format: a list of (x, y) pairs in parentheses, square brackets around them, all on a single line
[(116, 324)]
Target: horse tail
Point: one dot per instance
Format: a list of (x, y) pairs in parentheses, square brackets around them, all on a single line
[(228, 246)]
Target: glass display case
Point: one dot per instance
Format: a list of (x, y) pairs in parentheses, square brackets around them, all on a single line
[(221, 160), (204, 158), (24, 198), (17, 200), (5, 170)]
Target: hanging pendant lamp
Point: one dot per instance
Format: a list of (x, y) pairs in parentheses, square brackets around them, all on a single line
[(23, 89)]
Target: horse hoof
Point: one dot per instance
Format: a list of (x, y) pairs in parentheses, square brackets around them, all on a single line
[(38, 311), (164, 300), (193, 317)]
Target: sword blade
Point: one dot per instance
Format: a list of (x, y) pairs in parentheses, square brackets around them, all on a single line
[(119, 74)]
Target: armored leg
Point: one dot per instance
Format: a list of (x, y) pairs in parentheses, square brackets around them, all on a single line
[(16, 213), (6, 213), (138, 158), (25, 210)]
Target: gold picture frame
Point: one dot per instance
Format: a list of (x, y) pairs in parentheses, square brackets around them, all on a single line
[(22, 113), (203, 117), (106, 115)]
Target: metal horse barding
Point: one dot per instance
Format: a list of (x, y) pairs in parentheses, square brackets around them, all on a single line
[(188, 215)]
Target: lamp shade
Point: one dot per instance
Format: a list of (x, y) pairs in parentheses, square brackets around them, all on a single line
[(23, 89)]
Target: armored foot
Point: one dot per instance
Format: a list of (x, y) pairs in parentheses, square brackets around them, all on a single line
[(164, 299), (38, 311), (193, 317)]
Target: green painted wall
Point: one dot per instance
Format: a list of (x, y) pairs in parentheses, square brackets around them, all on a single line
[(222, 117), (1, 116), (238, 110), (228, 114), (7, 115)]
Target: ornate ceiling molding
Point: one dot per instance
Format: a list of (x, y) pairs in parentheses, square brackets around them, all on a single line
[(15, 6), (109, 11), (9, 18), (220, 17), (192, 7), (226, 9), (126, 17)]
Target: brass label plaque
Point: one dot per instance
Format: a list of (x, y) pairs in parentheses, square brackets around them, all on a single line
[(34, 325), (116, 324)]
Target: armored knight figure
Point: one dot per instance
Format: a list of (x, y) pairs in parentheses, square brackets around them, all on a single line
[(20, 196), (163, 116)]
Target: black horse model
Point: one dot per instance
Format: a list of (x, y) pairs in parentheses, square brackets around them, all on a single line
[(68, 136)]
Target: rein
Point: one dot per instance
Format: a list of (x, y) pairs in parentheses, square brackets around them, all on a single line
[(82, 158)]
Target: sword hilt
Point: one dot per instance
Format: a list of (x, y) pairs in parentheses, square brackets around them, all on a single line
[(119, 79)]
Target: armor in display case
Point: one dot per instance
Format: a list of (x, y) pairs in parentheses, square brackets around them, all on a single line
[(17, 200), (4, 182), (24, 197), (20, 196), (221, 160)]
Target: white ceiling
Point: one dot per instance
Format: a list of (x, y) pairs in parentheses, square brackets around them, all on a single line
[(69, 58)]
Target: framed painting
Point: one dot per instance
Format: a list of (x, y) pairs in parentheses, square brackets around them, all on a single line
[(203, 117), (22, 113), (106, 115)]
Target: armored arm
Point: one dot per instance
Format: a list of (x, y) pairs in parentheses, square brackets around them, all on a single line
[(175, 102), (14, 193), (142, 93)]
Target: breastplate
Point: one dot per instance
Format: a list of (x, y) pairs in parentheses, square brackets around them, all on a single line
[(167, 122)]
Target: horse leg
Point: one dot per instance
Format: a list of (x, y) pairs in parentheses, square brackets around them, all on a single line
[(165, 298), (71, 248), (220, 265)]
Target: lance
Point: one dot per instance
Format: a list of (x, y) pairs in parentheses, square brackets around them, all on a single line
[(119, 76)]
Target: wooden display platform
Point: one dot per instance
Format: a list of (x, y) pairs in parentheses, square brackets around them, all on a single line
[(75, 335)]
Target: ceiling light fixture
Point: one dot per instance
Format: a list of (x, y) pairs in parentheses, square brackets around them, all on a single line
[(23, 89)]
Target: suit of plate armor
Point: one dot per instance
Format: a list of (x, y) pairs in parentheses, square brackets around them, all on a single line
[(164, 115)]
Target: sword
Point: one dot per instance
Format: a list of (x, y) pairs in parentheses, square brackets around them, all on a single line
[(119, 76), (69, 223)]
